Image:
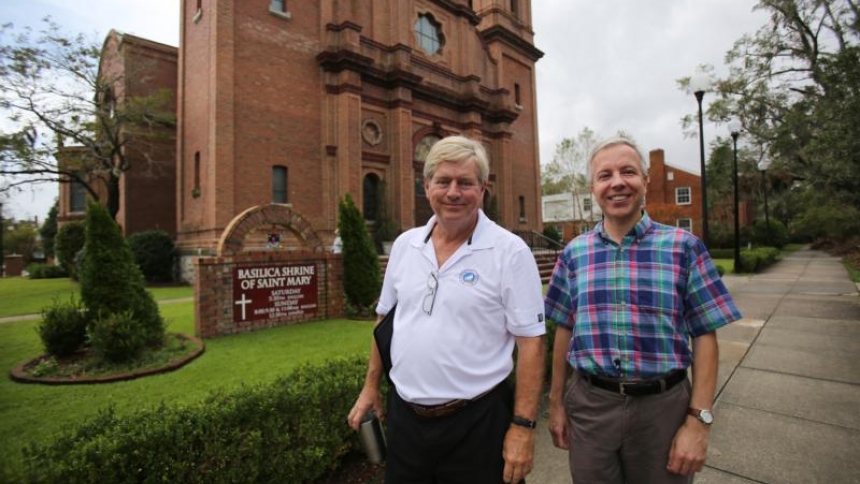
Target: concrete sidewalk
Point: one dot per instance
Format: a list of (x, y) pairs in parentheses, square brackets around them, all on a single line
[(788, 396)]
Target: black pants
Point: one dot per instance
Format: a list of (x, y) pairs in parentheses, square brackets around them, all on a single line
[(462, 448)]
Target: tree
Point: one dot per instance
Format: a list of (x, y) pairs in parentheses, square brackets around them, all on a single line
[(795, 87), (20, 238), (362, 279), (54, 93), (48, 230)]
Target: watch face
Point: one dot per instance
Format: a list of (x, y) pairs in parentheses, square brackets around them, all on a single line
[(706, 417)]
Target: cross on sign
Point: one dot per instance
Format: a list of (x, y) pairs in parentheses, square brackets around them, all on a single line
[(243, 302)]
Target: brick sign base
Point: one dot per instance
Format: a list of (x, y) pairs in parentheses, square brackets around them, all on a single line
[(248, 289)]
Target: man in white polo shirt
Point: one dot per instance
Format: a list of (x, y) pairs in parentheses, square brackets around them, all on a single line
[(467, 291)]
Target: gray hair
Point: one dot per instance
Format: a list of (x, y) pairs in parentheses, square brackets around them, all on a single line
[(608, 143), (457, 149)]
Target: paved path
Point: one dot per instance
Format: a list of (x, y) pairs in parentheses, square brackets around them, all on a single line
[(788, 395)]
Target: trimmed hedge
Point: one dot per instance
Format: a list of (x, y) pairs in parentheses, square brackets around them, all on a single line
[(38, 270), (292, 430), (755, 260)]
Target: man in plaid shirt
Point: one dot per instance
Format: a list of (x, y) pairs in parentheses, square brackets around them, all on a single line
[(635, 304)]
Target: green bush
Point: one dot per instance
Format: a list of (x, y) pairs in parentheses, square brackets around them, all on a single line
[(755, 260), (45, 271), (48, 230), (551, 232), (292, 430), (111, 283), (828, 219), (153, 252), (362, 279), (116, 337), (773, 234), (70, 239), (63, 329)]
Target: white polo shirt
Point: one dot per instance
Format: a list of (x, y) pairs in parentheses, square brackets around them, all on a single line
[(488, 292)]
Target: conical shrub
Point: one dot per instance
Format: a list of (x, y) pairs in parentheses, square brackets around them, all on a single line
[(361, 274), (112, 283)]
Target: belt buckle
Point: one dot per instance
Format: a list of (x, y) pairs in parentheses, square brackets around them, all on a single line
[(621, 388)]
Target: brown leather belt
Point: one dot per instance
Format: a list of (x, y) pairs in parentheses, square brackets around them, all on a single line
[(637, 388), (443, 409)]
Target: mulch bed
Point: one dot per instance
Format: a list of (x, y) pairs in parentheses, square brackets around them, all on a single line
[(354, 469)]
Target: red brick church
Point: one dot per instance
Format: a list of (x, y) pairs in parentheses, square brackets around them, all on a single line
[(301, 103), (304, 102)]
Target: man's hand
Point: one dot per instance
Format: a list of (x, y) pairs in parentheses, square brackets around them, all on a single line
[(368, 399), (518, 452), (689, 448), (558, 425)]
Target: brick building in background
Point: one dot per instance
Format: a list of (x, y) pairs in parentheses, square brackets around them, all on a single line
[(304, 102), (134, 68), (674, 195)]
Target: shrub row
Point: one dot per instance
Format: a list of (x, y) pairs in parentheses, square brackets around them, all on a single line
[(292, 430), (45, 271), (754, 260)]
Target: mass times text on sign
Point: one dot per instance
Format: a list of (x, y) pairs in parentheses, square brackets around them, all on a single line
[(274, 291)]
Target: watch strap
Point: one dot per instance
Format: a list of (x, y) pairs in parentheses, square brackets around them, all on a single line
[(523, 422)]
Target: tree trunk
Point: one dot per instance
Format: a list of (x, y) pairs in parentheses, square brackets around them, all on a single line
[(113, 195)]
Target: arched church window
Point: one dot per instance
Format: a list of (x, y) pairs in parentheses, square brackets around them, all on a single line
[(429, 34)]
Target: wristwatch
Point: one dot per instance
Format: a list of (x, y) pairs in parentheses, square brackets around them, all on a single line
[(704, 416), (523, 422)]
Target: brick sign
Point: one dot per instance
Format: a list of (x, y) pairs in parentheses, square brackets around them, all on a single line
[(274, 291)]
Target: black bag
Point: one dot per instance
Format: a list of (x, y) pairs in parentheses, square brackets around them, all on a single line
[(382, 333)]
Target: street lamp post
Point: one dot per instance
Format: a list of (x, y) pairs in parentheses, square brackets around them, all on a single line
[(735, 130), (700, 83), (2, 248), (763, 165)]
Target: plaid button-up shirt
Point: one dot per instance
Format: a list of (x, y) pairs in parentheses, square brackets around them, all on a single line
[(633, 307)]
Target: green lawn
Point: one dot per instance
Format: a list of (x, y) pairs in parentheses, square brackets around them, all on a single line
[(728, 265), (19, 295), (35, 413)]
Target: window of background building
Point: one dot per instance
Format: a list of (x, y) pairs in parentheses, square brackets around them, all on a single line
[(279, 8), (195, 191), (371, 191), (686, 224), (586, 204), (429, 34), (279, 184), (682, 196), (522, 208), (515, 7), (517, 97), (77, 195), (199, 12)]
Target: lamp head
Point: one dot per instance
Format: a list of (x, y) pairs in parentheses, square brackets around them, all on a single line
[(699, 83), (735, 128)]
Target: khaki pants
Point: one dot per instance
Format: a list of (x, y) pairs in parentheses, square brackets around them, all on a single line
[(617, 439)]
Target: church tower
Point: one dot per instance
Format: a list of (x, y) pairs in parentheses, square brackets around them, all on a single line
[(304, 102)]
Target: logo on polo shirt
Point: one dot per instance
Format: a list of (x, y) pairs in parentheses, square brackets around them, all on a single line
[(469, 277)]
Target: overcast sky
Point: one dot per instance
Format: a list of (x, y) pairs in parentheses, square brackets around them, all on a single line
[(609, 64)]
